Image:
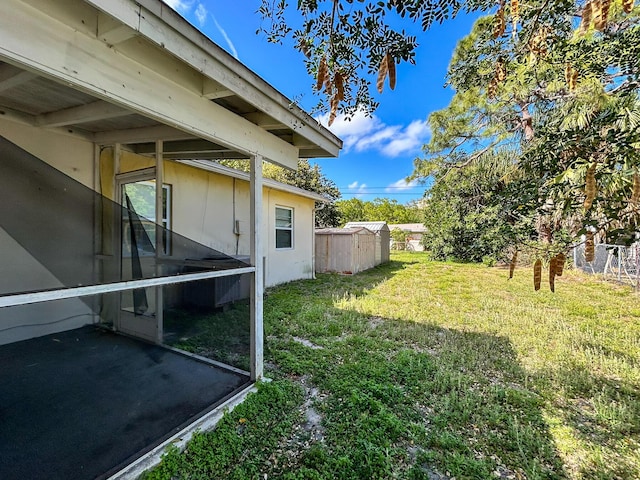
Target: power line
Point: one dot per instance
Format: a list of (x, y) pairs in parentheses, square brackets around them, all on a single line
[(381, 193)]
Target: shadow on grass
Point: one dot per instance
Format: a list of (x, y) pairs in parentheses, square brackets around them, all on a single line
[(418, 401), (403, 399), (604, 414)]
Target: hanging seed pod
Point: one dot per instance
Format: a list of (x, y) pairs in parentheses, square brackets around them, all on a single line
[(537, 274), (322, 73), (574, 80), (587, 16), (303, 45), (571, 77), (391, 65), (635, 191), (561, 259), (596, 9), (605, 5), (627, 5), (499, 24), (515, 12), (492, 89), (334, 108), (501, 71), (512, 265), (552, 274), (589, 248), (383, 70), (590, 187), (338, 79)]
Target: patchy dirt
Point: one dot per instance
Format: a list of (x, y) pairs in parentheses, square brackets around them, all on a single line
[(432, 474), (307, 433), (307, 343), (313, 420), (375, 322)]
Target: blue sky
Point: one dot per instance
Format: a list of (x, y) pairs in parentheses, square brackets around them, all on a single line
[(379, 151)]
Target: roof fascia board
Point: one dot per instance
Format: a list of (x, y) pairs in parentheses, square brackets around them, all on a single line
[(152, 18), (38, 42), (240, 175)]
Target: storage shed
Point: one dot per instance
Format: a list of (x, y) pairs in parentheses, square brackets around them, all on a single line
[(383, 238), (415, 232), (345, 250)]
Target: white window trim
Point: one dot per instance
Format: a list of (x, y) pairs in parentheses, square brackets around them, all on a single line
[(291, 229)]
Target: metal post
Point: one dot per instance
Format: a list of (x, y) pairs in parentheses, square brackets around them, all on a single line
[(637, 247), (159, 237), (620, 264), (257, 286), (97, 228)]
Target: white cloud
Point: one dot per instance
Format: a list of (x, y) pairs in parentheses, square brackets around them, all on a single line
[(201, 14), (363, 133), (358, 188), (180, 5), (401, 185), (232, 48)]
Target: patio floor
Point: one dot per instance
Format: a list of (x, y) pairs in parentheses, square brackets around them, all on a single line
[(84, 403)]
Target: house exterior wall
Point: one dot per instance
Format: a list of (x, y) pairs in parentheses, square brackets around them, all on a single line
[(285, 265), (209, 208), (213, 209), (75, 158), (70, 155)]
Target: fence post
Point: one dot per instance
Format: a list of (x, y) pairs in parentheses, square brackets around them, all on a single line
[(637, 247), (620, 264)]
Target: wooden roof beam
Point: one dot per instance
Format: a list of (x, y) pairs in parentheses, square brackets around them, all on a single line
[(264, 121), (91, 112), (213, 90), (140, 135), (11, 76)]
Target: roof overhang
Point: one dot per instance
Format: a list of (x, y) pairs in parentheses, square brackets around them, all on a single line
[(267, 182), (135, 72)]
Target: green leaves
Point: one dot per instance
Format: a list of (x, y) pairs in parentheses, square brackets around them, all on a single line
[(560, 100)]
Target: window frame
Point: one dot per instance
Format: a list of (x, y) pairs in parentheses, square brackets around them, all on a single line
[(286, 229)]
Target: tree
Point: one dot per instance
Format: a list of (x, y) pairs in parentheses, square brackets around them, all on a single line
[(380, 209), (470, 213), (542, 73), (345, 42), (307, 177), (351, 210), (561, 91)]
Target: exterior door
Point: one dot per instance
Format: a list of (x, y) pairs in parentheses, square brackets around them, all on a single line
[(140, 311)]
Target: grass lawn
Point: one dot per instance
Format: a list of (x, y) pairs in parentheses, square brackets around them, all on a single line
[(430, 370)]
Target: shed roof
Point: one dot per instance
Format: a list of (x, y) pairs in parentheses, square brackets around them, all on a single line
[(409, 227), (375, 227), (344, 231)]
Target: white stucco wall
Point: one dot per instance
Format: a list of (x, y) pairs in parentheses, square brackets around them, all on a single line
[(20, 270), (284, 265), (70, 155), (206, 207)]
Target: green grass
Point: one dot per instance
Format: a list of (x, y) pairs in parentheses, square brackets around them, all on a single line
[(433, 370)]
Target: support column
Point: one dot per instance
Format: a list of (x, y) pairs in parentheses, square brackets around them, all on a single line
[(97, 229), (257, 286), (159, 237)]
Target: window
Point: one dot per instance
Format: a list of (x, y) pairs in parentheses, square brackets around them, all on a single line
[(142, 195), (284, 227)]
